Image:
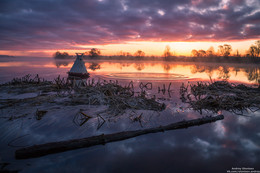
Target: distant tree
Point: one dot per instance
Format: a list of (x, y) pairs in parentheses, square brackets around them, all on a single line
[(195, 53), (202, 53), (121, 53), (139, 54), (86, 53), (221, 50), (128, 54), (199, 53), (210, 52), (59, 55), (65, 54), (94, 52), (237, 54), (167, 52), (124, 54), (225, 50), (258, 47), (253, 51)]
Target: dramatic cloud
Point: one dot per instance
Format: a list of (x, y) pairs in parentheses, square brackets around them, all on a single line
[(66, 24)]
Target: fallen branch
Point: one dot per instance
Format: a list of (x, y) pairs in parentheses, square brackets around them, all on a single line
[(56, 147)]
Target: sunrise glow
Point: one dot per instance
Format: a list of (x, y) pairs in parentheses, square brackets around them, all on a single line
[(130, 86), (150, 48), (32, 29)]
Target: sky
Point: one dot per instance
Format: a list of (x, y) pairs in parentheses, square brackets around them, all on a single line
[(41, 27)]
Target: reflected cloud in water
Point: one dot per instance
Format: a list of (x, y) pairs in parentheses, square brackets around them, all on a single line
[(215, 147)]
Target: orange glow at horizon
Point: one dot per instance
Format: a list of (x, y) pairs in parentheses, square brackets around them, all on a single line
[(139, 70), (150, 48)]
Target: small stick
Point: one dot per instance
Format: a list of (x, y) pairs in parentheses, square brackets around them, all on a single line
[(169, 87), (85, 114)]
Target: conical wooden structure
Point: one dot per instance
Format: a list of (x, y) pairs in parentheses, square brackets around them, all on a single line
[(78, 70)]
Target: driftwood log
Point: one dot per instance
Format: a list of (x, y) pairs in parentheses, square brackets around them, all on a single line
[(56, 147)]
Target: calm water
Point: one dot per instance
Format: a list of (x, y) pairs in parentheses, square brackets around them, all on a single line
[(216, 147), (132, 70)]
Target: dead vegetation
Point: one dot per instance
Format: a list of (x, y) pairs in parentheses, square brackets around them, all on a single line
[(118, 98), (39, 114), (28, 80), (221, 95), (81, 118)]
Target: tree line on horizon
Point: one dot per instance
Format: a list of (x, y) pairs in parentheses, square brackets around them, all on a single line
[(94, 53), (223, 51)]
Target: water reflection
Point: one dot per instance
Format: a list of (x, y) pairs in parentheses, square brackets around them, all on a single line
[(215, 147), (203, 69), (122, 65), (223, 73), (167, 68), (253, 74), (60, 63), (139, 66), (94, 66), (246, 73), (200, 71), (212, 147)]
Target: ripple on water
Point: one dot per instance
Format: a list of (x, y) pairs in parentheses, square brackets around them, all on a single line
[(148, 76)]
